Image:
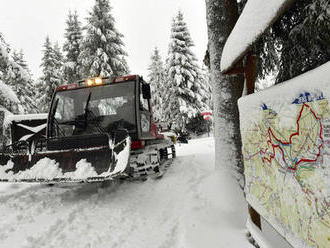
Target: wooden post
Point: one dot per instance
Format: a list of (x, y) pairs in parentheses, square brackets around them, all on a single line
[(250, 78), (250, 72)]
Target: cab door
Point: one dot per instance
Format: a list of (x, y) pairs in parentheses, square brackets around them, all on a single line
[(144, 120)]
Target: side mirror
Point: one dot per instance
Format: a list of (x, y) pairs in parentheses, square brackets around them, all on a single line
[(146, 92)]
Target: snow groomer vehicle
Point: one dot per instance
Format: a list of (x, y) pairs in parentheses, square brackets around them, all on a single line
[(97, 129)]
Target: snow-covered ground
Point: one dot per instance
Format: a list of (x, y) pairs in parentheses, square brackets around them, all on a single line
[(191, 206)]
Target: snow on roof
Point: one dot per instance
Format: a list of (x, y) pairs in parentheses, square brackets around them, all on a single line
[(10, 118), (256, 17)]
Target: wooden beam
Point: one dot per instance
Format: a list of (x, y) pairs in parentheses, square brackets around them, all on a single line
[(250, 72), (236, 70)]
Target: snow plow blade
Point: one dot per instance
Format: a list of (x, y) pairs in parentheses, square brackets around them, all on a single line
[(93, 164)]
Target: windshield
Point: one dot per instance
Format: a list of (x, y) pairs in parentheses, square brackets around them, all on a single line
[(94, 110)]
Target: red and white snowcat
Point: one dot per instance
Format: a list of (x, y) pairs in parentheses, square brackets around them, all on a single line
[(98, 129)]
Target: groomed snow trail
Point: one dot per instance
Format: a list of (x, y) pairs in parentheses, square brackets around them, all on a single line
[(191, 206)]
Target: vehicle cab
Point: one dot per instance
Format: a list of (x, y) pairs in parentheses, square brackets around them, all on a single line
[(86, 113)]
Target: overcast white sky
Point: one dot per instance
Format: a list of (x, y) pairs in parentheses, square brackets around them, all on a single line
[(144, 23)]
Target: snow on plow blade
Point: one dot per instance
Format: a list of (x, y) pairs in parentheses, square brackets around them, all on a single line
[(78, 165)]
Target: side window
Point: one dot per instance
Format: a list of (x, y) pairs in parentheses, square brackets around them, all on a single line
[(65, 109), (110, 106), (143, 102)]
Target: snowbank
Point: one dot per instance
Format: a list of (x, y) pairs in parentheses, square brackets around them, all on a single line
[(49, 169), (44, 168), (256, 17)]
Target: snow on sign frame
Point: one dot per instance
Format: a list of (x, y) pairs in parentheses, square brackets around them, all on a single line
[(257, 16), (286, 147)]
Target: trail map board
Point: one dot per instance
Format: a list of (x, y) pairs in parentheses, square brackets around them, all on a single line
[(286, 149)]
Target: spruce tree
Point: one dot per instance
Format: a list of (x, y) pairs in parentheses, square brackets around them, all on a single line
[(102, 49), (51, 74), (198, 125), (8, 69), (157, 81), (206, 87), (72, 48), (58, 63), (184, 100), (23, 84), (18, 57)]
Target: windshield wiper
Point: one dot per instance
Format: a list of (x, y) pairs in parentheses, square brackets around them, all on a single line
[(87, 103), (94, 117), (58, 126), (54, 120)]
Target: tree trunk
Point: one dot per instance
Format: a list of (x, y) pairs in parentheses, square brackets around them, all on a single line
[(221, 18), (2, 138)]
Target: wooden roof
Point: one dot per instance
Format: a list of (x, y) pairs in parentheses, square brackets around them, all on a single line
[(256, 18)]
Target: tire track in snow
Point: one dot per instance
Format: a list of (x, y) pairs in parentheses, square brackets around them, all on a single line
[(19, 209), (68, 230), (122, 217), (33, 211), (150, 214)]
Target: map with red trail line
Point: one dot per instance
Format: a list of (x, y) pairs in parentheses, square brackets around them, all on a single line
[(313, 141), (286, 150)]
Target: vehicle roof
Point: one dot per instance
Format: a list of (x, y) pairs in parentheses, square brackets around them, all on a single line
[(106, 81)]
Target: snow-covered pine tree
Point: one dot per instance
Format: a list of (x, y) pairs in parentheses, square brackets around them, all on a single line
[(18, 57), (102, 51), (183, 96), (71, 47), (206, 87), (59, 58), (8, 98), (198, 125), (4, 45), (157, 81), (51, 74), (23, 84)]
